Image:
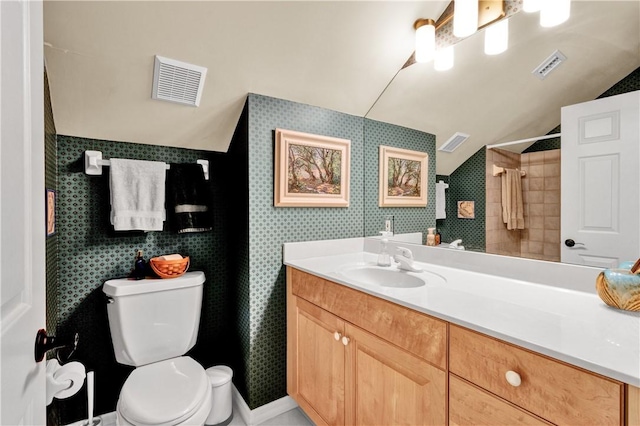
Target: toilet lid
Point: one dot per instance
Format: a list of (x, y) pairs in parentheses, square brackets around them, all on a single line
[(165, 392)]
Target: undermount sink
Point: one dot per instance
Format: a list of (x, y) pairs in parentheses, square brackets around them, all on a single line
[(384, 276)]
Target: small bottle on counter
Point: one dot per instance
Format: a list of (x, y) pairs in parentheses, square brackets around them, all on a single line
[(438, 238), (431, 237), (139, 267)]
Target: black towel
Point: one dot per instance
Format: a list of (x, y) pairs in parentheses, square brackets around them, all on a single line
[(188, 199)]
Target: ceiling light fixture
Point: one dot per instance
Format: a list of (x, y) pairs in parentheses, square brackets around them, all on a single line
[(530, 6), (554, 12), (496, 38), (443, 59), (465, 17), (425, 40)]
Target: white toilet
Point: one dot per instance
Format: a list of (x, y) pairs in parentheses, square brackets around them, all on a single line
[(153, 323)]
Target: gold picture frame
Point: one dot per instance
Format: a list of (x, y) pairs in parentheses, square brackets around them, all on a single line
[(403, 177), (311, 170)]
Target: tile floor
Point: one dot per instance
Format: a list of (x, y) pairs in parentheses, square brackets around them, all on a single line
[(293, 417)]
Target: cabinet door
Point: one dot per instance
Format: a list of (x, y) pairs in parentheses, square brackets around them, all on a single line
[(316, 370), (386, 385)]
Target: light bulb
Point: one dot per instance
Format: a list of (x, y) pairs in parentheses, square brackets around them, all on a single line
[(496, 38), (530, 6), (443, 59), (425, 41), (465, 18), (554, 12)]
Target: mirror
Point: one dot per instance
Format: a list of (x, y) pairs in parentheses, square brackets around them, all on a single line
[(496, 99)]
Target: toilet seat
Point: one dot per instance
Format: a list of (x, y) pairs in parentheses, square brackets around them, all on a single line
[(165, 393)]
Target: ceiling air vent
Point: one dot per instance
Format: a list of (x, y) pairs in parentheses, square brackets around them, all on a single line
[(176, 81), (549, 64), (454, 141)]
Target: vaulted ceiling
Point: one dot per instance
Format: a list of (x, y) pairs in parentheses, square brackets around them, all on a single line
[(337, 55)]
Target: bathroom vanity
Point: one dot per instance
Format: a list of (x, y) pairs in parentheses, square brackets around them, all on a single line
[(451, 351)]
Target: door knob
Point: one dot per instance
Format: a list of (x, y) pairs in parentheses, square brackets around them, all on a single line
[(45, 343), (570, 243), (337, 335)]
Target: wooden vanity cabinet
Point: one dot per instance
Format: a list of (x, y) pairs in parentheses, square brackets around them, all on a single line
[(356, 359), (345, 373)]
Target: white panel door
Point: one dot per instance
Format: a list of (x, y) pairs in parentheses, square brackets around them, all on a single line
[(22, 219), (601, 181)]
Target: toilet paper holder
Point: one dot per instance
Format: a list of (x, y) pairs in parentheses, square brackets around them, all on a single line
[(45, 343)]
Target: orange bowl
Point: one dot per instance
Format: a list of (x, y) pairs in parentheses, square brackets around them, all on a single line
[(169, 268)]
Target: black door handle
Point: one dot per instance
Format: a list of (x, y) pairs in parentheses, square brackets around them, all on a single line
[(570, 243), (45, 343)]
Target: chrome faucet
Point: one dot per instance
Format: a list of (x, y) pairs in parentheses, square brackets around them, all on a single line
[(405, 260)]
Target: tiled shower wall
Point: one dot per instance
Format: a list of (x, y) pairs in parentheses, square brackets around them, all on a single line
[(541, 198), (499, 239), (541, 193)]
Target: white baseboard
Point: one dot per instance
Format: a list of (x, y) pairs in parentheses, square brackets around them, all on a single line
[(262, 413)]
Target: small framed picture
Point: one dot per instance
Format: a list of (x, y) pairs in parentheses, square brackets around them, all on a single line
[(466, 210), (403, 177), (311, 170), (51, 212)]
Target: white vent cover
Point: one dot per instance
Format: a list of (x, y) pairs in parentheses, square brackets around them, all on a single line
[(176, 81), (454, 141), (549, 64)]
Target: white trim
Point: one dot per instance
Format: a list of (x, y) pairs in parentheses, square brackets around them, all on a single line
[(537, 138), (262, 413)]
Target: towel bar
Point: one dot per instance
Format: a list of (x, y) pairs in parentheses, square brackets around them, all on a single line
[(93, 163), (498, 170)]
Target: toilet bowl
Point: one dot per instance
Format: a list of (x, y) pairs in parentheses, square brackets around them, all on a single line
[(171, 392)]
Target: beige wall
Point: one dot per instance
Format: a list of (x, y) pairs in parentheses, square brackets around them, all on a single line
[(541, 195)]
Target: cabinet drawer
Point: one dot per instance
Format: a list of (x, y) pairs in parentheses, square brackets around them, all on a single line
[(420, 334), (470, 405), (550, 389)]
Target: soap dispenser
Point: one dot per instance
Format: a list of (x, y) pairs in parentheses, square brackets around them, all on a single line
[(431, 237), (384, 259)]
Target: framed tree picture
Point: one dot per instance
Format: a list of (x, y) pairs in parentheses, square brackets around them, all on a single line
[(403, 177), (311, 170)]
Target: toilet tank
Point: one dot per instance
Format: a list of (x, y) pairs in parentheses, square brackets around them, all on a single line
[(154, 319)]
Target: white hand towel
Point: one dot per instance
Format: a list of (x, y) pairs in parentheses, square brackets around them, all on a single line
[(137, 194), (441, 203)]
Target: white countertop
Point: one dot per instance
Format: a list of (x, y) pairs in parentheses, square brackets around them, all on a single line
[(563, 323)]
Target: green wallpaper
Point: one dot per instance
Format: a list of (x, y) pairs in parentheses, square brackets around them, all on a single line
[(93, 253), (270, 227), (466, 183), (50, 182), (406, 219)]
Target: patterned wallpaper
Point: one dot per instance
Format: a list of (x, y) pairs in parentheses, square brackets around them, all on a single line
[(50, 182), (406, 219), (466, 183), (91, 252), (269, 227), (245, 291)]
